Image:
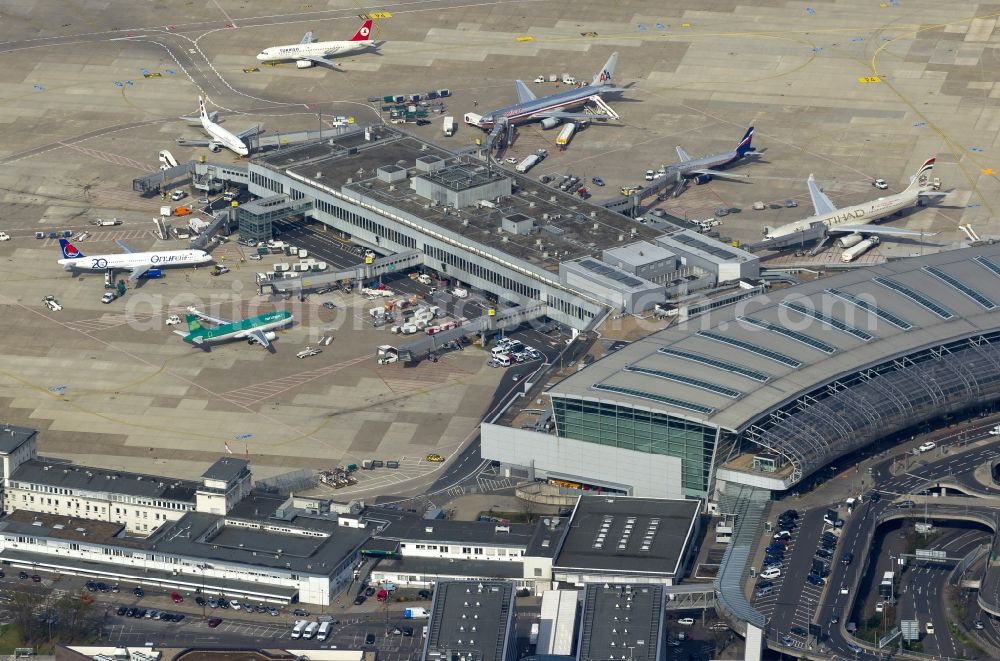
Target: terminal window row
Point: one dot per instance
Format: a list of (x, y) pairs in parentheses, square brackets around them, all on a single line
[(265, 182), (358, 220), (478, 270), (566, 307)]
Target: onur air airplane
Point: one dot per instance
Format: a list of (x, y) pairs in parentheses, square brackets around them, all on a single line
[(306, 53), (255, 330), (703, 169), (219, 137), (137, 262), (851, 220), (530, 108)]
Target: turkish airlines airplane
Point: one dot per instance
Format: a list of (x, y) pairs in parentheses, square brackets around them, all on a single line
[(306, 53), (136, 262)]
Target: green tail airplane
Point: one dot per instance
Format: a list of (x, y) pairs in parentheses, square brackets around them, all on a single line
[(255, 330)]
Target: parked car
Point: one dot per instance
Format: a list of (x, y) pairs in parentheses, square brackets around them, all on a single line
[(176, 597), (214, 622), (799, 631), (927, 447), (358, 600), (369, 639), (686, 621), (137, 591), (597, 181), (815, 579)]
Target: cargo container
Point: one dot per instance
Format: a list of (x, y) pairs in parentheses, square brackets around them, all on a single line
[(449, 125)]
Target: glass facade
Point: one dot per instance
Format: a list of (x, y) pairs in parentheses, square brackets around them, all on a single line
[(633, 429)]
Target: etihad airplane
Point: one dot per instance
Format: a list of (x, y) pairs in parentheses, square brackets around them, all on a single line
[(530, 108), (852, 220), (702, 170), (137, 262), (255, 330), (307, 53), (220, 137)]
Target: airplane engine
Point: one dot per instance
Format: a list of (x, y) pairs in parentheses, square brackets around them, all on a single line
[(303, 64), (270, 335), (703, 179), (550, 122), (215, 148)]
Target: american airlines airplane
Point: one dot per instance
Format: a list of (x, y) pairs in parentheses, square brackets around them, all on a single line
[(530, 108), (220, 137), (307, 53), (137, 262), (852, 220)]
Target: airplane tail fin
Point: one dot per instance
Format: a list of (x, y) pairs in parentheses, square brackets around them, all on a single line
[(745, 145), (923, 176), (364, 33), (607, 72), (193, 323), (203, 112), (69, 251)]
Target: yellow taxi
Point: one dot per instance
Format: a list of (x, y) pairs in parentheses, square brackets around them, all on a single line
[(436, 458)]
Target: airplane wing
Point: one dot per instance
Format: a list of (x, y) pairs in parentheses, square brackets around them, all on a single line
[(523, 93), (194, 142), (253, 130), (683, 155), (821, 203), (138, 271), (124, 246), (260, 337), (205, 317), (321, 61), (307, 38), (883, 230), (718, 175), (933, 194)]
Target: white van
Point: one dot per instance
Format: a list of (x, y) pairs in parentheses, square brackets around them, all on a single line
[(324, 631), (499, 351), (310, 630), (299, 627), (503, 360), (768, 574)]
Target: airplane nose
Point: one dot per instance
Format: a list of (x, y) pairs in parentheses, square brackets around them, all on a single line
[(262, 56)]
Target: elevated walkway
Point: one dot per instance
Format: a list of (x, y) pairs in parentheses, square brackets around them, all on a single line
[(312, 281), (748, 504)]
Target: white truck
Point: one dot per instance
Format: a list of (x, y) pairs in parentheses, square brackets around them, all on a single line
[(528, 163), (859, 249), (100, 222), (472, 119), (449, 125)]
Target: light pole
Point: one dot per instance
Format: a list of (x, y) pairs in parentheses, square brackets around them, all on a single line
[(204, 601)]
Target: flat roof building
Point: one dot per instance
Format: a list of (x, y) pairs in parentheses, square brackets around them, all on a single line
[(623, 539), (472, 621), (470, 221), (622, 622)]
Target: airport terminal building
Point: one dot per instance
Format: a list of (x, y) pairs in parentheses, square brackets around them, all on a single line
[(765, 392), (493, 230)]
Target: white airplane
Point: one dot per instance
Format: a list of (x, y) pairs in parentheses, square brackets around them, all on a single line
[(137, 262), (852, 220), (307, 53), (220, 137)]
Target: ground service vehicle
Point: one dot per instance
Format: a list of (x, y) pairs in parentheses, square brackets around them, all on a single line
[(528, 163), (852, 253), (566, 134), (449, 125)]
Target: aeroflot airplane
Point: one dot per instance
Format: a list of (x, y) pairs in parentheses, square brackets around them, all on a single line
[(137, 262), (306, 53)]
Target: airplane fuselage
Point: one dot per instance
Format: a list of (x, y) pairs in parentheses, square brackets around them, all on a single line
[(129, 261), (707, 162), (523, 112), (224, 137), (318, 49), (858, 214)]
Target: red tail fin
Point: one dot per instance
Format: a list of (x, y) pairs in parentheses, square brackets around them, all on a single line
[(364, 32)]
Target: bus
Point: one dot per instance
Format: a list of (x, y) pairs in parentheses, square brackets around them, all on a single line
[(885, 588)]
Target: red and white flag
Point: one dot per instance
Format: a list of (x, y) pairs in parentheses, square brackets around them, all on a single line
[(228, 450)]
